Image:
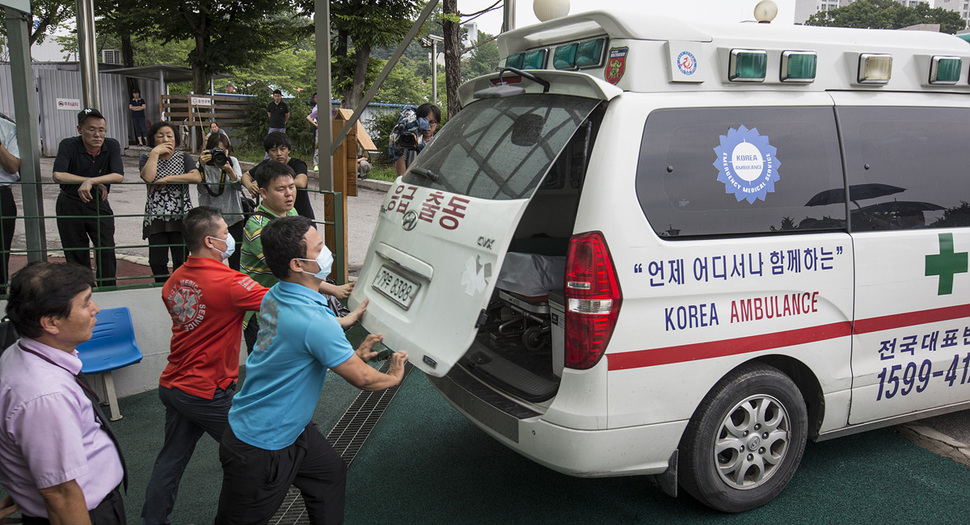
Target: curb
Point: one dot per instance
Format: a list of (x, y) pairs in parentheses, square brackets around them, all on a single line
[(934, 441)]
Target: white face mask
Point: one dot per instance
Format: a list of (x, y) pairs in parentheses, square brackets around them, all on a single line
[(324, 262), (230, 245)]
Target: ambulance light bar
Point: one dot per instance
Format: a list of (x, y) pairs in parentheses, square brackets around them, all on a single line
[(579, 55), (875, 68), (798, 66), (748, 65), (945, 70)]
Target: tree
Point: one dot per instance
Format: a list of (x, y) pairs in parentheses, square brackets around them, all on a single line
[(226, 34), (483, 59), (887, 14), (46, 15), (451, 28), (359, 26)]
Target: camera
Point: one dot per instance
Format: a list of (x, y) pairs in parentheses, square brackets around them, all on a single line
[(219, 157), (407, 141)]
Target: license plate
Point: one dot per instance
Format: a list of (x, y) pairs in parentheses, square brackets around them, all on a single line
[(395, 287)]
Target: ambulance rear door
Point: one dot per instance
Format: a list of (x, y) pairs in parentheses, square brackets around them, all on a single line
[(445, 226)]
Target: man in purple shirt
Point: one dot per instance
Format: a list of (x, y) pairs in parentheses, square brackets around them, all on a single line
[(58, 459)]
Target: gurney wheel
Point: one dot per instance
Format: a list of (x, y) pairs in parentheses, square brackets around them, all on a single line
[(534, 338)]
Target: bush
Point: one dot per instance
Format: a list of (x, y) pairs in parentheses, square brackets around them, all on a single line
[(298, 128), (383, 124)]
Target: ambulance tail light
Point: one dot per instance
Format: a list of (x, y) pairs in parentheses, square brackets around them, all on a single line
[(593, 300)]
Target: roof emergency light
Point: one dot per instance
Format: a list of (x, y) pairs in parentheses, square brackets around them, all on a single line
[(535, 59), (565, 56), (748, 65), (590, 53), (875, 68), (945, 70), (798, 66)]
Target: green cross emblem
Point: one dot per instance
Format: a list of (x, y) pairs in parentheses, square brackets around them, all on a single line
[(946, 264)]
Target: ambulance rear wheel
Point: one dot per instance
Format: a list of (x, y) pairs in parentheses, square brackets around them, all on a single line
[(745, 441)]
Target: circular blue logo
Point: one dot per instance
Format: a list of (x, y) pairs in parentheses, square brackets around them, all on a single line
[(687, 63), (746, 164)]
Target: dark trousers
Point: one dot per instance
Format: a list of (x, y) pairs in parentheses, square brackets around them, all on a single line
[(237, 231), (251, 332), (8, 221), (159, 246), (187, 418), (139, 124), (255, 481), (111, 511), (77, 222)]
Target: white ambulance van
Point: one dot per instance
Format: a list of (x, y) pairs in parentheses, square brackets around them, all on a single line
[(648, 246)]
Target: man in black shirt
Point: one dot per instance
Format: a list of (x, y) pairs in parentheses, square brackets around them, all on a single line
[(278, 113), (277, 146), (85, 167)]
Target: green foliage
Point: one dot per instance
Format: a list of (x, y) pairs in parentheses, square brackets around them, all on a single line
[(46, 16), (298, 128), (482, 60), (383, 172), (382, 126), (358, 27), (887, 14), (226, 34), (404, 86)]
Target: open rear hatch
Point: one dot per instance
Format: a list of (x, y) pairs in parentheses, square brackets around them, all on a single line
[(446, 226)]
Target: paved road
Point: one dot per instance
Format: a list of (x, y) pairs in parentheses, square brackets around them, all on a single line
[(128, 202)]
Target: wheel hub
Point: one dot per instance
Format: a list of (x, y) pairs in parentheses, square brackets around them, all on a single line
[(752, 442)]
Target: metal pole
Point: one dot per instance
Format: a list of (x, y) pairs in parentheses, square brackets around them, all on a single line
[(434, 71), (25, 107), (508, 15), (88, 54), (321, 23)]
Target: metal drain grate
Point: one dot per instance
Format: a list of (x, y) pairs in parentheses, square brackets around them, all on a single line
[(347, 438)]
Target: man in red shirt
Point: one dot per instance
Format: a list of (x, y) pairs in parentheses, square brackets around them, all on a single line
[(207, 301)]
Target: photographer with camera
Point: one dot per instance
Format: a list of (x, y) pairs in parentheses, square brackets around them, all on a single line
[(221, 188), (414, 130)]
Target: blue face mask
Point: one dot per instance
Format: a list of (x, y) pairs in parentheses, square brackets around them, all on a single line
[(324, 263), (230, 245)]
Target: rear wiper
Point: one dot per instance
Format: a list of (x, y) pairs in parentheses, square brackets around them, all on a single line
[(426, 173)]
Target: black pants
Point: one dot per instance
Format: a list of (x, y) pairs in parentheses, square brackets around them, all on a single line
[(251, 332), (237, 231), (8, 221), (255, 481), (159, 245), (77, 222), (111, 511)]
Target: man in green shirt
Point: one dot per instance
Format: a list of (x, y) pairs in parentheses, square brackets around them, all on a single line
[(277, 193)]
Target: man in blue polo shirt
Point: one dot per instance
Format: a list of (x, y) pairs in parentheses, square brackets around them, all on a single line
[(271, 443), (86, 166)]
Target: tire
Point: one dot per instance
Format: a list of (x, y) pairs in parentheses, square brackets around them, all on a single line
[(759, 410)]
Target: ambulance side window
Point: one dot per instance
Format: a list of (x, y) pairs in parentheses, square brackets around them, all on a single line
[(908, 168), (740, 171)]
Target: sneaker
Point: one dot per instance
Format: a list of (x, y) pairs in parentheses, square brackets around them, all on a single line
[(316, 167)]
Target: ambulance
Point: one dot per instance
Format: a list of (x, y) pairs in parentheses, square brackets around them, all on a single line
[(653, 246)]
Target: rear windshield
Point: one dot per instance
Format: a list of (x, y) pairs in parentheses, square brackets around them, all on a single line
[(500, 148)]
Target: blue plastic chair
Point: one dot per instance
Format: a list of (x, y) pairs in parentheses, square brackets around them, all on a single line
[(112, 346)]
